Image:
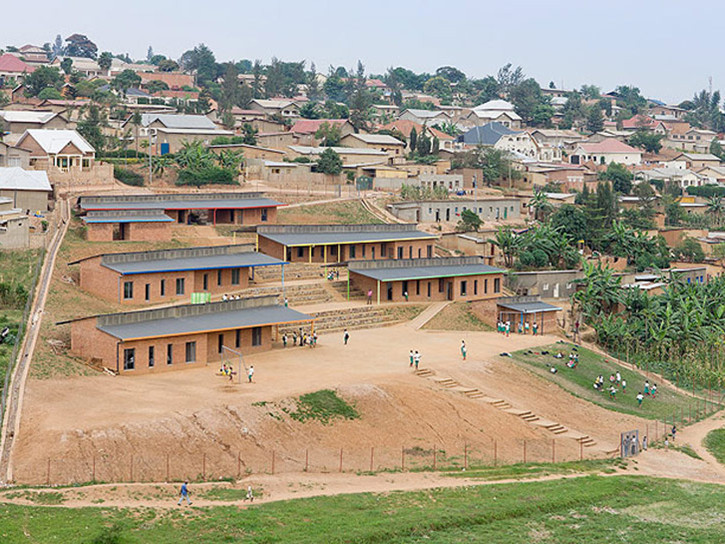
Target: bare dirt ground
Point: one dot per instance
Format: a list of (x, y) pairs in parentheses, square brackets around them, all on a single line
[(126, 426)]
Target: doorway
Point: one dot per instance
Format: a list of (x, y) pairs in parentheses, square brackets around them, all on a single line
[(449, 290)]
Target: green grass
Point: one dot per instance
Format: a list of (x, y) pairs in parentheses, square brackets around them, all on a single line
[(346, 212), (715, 444), (457, 316), (580, 382), (38, 497), (323, 406), (591, 509), (229, 494), (535, 470)]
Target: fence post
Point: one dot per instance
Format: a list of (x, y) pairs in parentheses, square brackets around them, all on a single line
[(307, 460), (340, 459), (372, 453), (495, 452), (402, 458), (524, 451), (465, 456), (434, 456), (553, 450)]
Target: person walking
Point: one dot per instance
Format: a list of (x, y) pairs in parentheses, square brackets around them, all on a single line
[(345, 336), (405, 294), (646, 387), (640, 398), (370, 296), (535, 328), (674, 432), (250, 494), (284, 340), (416, 359), (508, 329), (286, 302), (184, 494), (412, 359), (624, 386), (644, 443), (463, 349), (250, 373)]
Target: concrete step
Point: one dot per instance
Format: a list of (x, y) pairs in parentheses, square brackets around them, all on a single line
[(530, 418), (424, 372)]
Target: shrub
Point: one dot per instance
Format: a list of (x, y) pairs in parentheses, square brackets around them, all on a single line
[(129, 177), (206, 176)]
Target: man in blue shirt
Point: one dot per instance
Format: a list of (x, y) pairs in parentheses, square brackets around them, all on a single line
[(184, 493)]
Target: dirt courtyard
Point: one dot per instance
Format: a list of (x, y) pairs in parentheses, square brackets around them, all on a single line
[(104, 419)]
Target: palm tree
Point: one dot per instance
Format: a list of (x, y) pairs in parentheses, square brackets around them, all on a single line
[(716, 207), (508, 243), (541, 205)]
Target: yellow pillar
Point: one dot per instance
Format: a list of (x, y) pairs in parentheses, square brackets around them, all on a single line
[(324, 254), (378, 291), (309, 249), (339, 253), (256, 242)]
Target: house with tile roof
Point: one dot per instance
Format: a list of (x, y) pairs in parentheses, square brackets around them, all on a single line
[(64, 149), (12, 67), (605, 152), (493, 111), (382, 142)]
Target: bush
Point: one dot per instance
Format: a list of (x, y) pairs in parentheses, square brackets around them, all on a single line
[(123, 154), (206, 176), (129, 177), (706, 191)]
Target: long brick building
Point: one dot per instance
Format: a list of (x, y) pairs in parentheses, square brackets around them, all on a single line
[(178, 337), (128, 225), (449, 278), (329, 244), (167, 275), (212, 208)]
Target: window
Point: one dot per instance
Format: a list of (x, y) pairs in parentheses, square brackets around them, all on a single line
[(333, 251), (180, 286), (363, 251), (300, 252), (312, 251), (162, 288), (475, 287), (264, 214), (485, 286), (417, 287), (190, 352), (410, 252), (238, 338), (352, 251), (169, 354), (372, 252), (152, 360), (220, 343), (545, 287), (429, 289), (257, 336), (219, 277), (420, 252), (205, 282), (129, 358), (127, 290), (430, 252), (235, 276), (464, 288), (441, 285), (147, 291), (497, 285)]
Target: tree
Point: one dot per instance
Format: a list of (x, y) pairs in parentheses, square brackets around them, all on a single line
[(620, 177), (154, 86), (423, 145), (90, 127), (329, 162), (334, 88), (228, 120), (126, 80), (689, 251), (452, 74), (66, 65), (716, 208), (509, 78), (313, 85), (58, 50), (250, 134), (530, 103), (168, 65), (595, 120), (630, 99), (469, 221), (136, 120), (202, 61), (705, 111), (80, 46), (592, 92), (360, 101), (41, 78), (541, 205), (329, 135), (570, 220), (230, 89), (149, 53), (508, 243), (50, 93), (649, 141), (439, 87), (105, 60), (413, 140), (310, 110)]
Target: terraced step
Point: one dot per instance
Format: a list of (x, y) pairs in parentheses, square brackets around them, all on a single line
[(447, 382), (424, 372), (517, 412), (530, 418), (501, 404), (588, 443)]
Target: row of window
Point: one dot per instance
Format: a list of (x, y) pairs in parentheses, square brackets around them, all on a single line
[(180, 285), (352, 251), (129, 354), (442, 286)]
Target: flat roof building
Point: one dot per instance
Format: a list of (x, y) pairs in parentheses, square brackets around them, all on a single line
[(428, 211), (330, 244), (177, 337), (531, 310), (166, 275), (447, 278), (127, 225), (226, 208)]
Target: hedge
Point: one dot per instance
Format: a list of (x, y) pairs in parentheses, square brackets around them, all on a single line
[(706, 191), (207, 176), (129, 177)]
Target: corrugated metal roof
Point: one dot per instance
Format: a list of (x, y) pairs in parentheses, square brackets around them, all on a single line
[(16, 178), (234, 319), (54, 140), (177, 204), (178, 121), (127, 216), (205, 262), (529, 307), (425, 272), (331, 238)]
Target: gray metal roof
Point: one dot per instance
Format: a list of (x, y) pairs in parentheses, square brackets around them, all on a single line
[(202, 262), (217, 321), (127, 216), (529, 307), (488, 134), (424, 269), (350, 235), (171, 203)]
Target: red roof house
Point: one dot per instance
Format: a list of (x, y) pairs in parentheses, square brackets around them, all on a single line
[(12, 66)]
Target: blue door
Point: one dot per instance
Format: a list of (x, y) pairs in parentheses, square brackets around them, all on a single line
[(165, 149)]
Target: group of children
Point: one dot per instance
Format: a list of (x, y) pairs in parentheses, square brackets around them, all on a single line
[(648, 391), (414, 358), (305, 339), (227, 298), (228, 370), (504, 327), (615, 380)]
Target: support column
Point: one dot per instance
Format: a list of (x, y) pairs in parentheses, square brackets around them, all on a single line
[(348, 284), (339, 253), (309, 251), (284, 293), (378, 291)]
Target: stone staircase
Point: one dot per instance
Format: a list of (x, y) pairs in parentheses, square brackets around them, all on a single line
[(527, 415), (297, 295), (362, 317), (341, 288), (292, 271)]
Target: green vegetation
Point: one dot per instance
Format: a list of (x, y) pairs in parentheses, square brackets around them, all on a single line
[(715, 444), (537, 470), (580, 382), (349, 212), (329, 162), (414, 192), (229, 494), (129, 177), (591, 509), (457, 316), (322, 406), (677, 333)]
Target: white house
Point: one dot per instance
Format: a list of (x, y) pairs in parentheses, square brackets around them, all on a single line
[(607, 151), (498, 111)]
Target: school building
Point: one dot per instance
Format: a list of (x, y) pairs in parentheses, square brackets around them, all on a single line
[(329, 244), (128, 225), (428, 211), (152, 277), (200, 208), (178, 337), (449, 278), (527, 309)]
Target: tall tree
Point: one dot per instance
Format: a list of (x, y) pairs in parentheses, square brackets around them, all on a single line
[(313, 85), (509, 77), (80, 46), (202, 61), (90, 127), (360, 101), (230, 88), (42, 77), (150, 54), (105, 60), (595, 120), (58, 50), (126, 80), (66, 65)]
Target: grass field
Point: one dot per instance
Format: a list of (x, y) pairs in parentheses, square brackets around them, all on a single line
[(715, 444), (347, 212), (457, 316), (580, 382), (591, 509)]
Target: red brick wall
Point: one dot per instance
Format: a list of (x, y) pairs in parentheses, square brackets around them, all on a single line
[(367, 251), (364, 284), (179, 354), (149, 232), (87, 342), (99, 232), (99, 280), (245, 345), (271, 248)]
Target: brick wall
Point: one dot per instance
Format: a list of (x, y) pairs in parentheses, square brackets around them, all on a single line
[(149, 232), (99, 232), (418, 289), (99, 280), (367, 251), (273, 249), (87, 342)]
